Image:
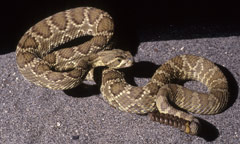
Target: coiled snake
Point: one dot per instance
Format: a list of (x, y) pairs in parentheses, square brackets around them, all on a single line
[(66, 68)]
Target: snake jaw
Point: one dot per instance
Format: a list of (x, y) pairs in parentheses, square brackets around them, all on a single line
[(123, 61), (127, 62)]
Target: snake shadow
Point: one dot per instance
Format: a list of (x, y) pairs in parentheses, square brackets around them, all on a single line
[(83, 90), (232, 85), (143, 69), (208, 131)]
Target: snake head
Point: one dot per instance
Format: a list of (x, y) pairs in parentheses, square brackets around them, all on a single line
[(114, 59)]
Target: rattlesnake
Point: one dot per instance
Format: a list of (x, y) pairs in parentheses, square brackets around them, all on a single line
[(68, 67)]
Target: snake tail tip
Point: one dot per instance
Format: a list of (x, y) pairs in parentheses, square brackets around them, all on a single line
[(192, 127)]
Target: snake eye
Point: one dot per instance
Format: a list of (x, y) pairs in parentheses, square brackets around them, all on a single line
[(119, 60)]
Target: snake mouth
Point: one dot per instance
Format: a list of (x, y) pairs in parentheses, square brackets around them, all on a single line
[(129, 62)]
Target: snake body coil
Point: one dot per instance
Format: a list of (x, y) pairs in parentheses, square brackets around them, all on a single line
[(66, 68), (159, 92)]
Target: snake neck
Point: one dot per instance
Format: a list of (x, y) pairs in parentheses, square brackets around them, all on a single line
[(95, 61), (115, 59)]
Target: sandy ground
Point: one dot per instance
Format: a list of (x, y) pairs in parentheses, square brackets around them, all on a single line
[(31, 114)]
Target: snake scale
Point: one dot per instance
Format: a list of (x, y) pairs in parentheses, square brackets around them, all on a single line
[(66, 68)]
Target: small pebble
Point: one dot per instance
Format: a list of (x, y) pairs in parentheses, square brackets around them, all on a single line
[(76, 137)]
